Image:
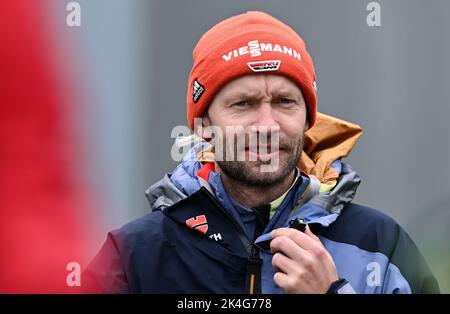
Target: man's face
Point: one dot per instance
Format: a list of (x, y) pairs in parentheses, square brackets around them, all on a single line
[(271, 105)]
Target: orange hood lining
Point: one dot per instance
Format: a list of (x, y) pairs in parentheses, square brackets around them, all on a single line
[(328, 140)]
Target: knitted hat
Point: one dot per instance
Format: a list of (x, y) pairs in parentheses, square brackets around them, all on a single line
[(249, 43)]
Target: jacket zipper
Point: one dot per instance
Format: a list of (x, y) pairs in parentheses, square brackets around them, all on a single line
[(253, 274)]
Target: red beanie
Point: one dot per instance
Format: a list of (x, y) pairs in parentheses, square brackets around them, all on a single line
[(249, 43)]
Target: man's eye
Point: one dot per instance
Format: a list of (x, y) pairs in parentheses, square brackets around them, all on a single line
[(286, 101), (242, 103)]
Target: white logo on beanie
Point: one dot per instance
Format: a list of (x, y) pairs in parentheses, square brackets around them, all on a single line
[(255, 49), (197, 90)]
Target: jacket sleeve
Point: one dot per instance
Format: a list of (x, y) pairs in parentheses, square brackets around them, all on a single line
[(407, 262), (105, 273)]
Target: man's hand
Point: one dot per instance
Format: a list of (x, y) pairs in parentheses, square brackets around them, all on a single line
[(303, 264)]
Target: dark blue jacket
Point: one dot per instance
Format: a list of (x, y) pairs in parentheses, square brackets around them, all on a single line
[(194, 242)]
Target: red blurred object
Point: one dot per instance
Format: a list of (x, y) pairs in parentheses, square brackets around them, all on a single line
[(43, 206)]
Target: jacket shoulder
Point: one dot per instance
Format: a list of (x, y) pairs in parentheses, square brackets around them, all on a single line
[(141, 224), (146, 229), (114, 268), (368, 228), (373, 230)]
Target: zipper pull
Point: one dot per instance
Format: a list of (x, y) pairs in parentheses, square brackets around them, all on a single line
[(253, 276), (298, 223)]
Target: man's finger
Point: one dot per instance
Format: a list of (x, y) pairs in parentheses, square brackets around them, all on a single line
[(311, 234), (288, 247), (301, 239), (281, 280), (283, 263)]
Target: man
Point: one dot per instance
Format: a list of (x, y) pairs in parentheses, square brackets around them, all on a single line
[(275, 216)]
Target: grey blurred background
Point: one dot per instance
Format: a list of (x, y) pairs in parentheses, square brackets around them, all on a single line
[(393, 80)]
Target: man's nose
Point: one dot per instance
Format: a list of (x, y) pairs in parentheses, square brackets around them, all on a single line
[(265, 116)]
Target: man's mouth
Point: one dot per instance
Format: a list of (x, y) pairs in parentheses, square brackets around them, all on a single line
[(262, 153)]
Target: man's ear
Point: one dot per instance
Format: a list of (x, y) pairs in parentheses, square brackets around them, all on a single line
[(206, 122)]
